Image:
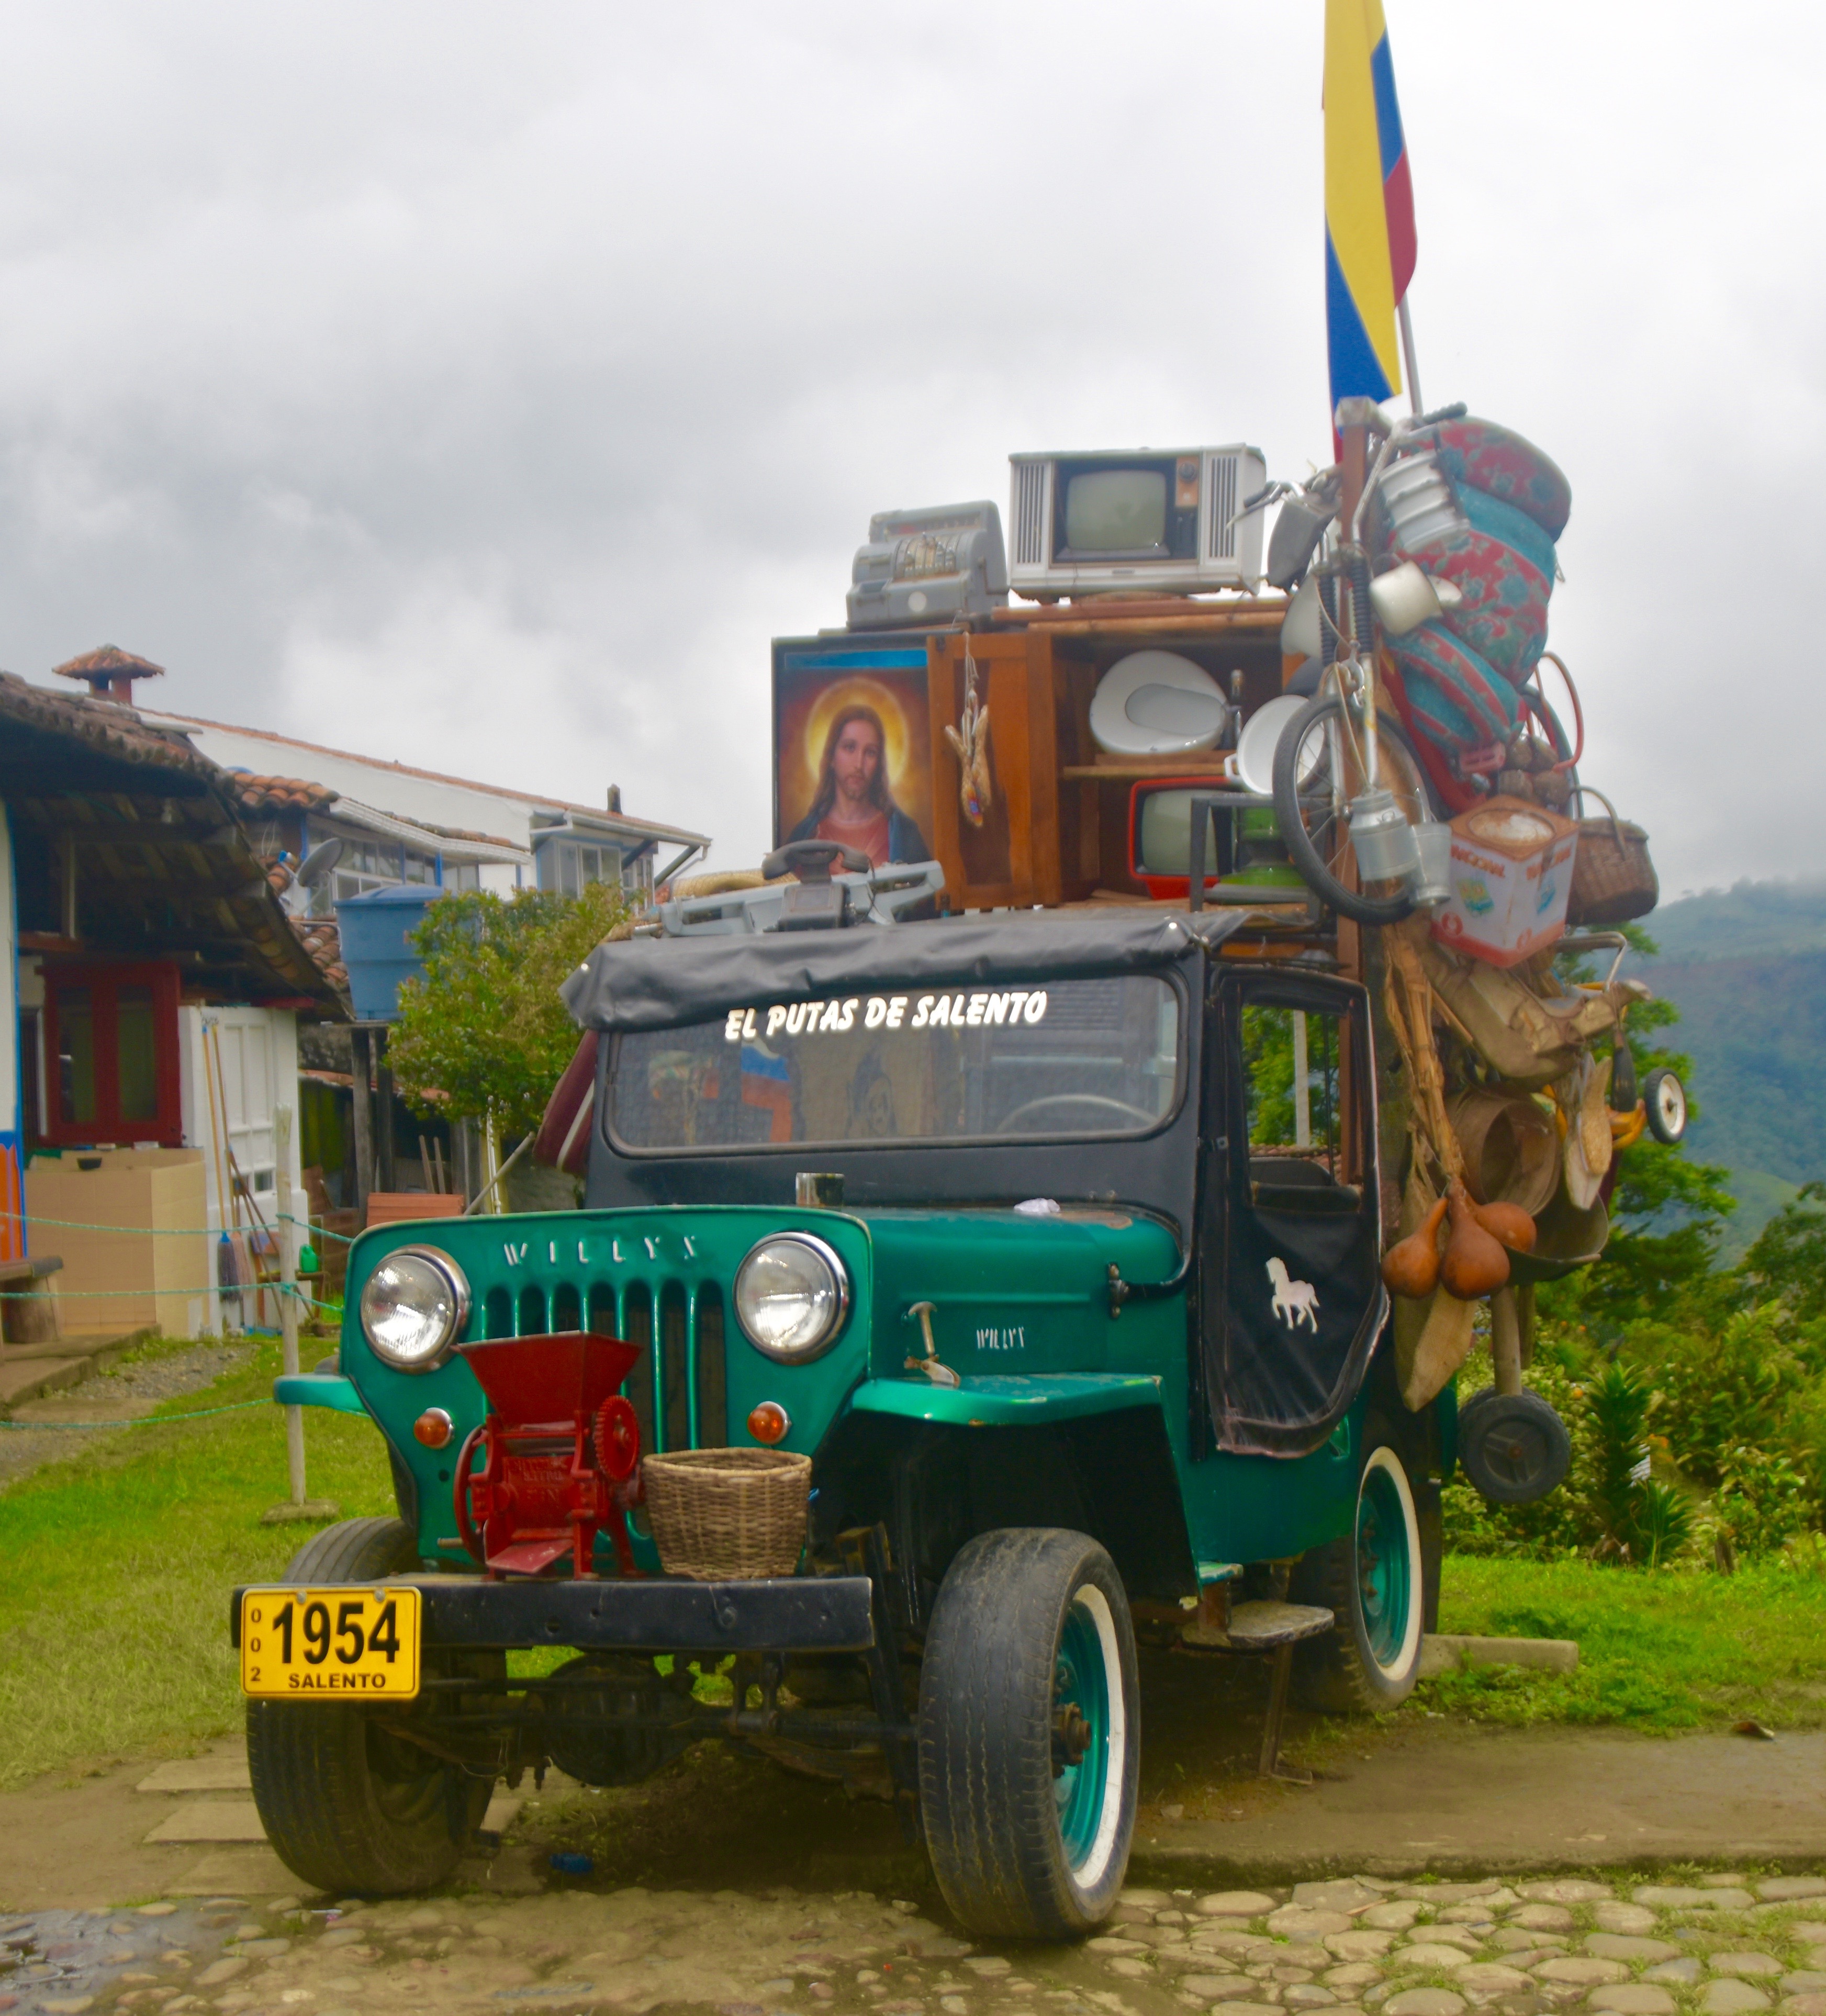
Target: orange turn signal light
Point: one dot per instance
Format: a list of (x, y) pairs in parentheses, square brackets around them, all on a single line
[(434, 1429), (770, 1423)]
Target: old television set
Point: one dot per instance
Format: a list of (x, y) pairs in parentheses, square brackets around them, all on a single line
[(1242, 842), (1152, 521)]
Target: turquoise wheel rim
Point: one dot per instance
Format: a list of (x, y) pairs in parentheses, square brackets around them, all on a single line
[(1385, 1591), (1082, 1682)]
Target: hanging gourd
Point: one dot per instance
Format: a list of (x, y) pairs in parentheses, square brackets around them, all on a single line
[(1411, 1268), (1475, 1264), (1507, 1223)]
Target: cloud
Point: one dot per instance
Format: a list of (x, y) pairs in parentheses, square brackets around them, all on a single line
[(487, 387)]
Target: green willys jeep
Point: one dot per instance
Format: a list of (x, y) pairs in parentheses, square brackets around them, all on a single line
[(1051, 1239)]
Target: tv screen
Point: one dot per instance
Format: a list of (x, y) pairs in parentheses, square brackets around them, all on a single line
[(1164, 832), (1120, 511)]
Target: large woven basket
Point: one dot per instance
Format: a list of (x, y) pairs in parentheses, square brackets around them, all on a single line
[(1613, 878), (728, 1514)]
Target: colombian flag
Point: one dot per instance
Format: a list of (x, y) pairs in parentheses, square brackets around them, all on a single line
[(1369, 204), (767, 1082)]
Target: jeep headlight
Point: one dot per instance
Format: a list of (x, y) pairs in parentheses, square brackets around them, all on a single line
[(413, 1306), (791, 1296)]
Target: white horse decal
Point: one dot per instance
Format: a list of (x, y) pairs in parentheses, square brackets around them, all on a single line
[(1293, 1300)]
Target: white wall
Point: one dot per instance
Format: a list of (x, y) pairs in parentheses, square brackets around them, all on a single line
[(231, 1110), (501, 813), (506, 814)]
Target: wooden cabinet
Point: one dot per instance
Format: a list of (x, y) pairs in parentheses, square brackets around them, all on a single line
[(1056, 829), (1030, 846)]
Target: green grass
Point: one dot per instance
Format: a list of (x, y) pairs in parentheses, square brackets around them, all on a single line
[(1657, 1652), (114, 1605)]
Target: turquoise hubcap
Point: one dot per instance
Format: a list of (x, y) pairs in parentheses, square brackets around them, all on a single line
[(1383, 1585), (1081, 1733)]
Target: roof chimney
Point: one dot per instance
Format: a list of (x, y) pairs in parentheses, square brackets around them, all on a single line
[(614, 798), (111, 672)]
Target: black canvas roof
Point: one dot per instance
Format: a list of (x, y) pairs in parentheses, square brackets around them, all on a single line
[(658, 983)]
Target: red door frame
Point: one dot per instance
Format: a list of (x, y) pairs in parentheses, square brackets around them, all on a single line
[(104, 983)]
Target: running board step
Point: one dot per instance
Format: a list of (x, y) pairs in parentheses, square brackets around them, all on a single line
[(1266, 1627)]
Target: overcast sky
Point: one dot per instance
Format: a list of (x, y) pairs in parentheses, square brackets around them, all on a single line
[(484, 386)]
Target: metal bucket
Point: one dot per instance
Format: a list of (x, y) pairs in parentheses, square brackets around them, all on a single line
[(1511, 1149), (1568, 1238)]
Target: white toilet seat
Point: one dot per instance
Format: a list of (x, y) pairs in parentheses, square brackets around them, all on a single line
[(1137, 709)]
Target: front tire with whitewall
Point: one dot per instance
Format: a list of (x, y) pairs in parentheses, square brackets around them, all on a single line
[(1029, 1734)]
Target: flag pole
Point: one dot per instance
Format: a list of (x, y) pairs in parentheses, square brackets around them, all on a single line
[(1413, 370)]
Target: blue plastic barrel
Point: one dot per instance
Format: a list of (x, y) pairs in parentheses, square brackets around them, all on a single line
[(377, 931)]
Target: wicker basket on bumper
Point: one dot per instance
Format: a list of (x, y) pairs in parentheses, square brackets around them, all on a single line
[(728, 1514)]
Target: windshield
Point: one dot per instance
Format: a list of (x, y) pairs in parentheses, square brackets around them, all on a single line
[(1080, 1058)]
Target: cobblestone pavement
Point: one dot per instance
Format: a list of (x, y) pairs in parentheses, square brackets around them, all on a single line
[(1720, 1943)]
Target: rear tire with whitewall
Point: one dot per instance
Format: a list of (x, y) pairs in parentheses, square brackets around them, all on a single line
[(1373, 1579), (1029, 1734)]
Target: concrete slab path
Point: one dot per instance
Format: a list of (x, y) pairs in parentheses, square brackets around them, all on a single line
[(225, 1772), (1448, 1798), (1429, 1797)]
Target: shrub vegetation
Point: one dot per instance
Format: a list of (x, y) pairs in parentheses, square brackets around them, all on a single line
[(1698, 1431), (1695, 1393)]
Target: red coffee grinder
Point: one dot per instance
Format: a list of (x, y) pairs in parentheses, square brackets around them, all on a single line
[(557, 1459)]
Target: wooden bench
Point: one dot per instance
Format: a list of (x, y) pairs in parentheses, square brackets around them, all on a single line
[(34, 1317)]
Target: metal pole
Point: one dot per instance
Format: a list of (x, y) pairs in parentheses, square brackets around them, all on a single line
[(1302, 1085), (389, 1173), (1355, 471), (288, 1294), (494, 1169), (364, 1120), (1506, 1341), (1268, 1764), (1413, 369)]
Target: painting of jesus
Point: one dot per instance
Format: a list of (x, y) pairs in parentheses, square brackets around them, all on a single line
[(855, 760)]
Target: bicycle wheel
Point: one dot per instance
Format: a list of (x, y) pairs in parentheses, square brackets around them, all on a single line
[(1312, 789)]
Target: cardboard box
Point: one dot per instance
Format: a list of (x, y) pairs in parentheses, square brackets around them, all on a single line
[(1512, 873), (151, 1266)]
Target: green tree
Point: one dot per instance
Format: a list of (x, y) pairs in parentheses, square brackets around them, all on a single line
[(485, 1033), (1719, 1385), (1788, 1259), (1667, 1212), (1764, 1499)]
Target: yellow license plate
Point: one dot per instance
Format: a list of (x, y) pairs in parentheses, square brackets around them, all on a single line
[(330, 1644)]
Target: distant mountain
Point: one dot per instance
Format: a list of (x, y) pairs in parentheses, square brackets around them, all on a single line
[(1746, 967), (1750, 920)]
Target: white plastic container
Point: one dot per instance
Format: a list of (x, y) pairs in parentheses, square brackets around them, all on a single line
[(1511, 872), (1421, 507)]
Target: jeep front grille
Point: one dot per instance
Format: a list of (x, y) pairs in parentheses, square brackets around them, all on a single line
[(678, 1384)]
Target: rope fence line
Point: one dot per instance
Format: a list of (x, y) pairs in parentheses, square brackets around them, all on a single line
[(214, 1288), (143, 1421), (180, 1231)]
